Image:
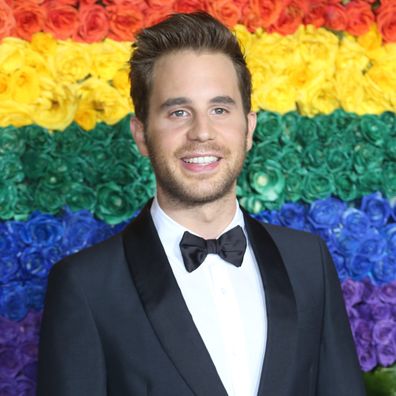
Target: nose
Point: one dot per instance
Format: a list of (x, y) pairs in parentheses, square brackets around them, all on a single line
[(201, 129)]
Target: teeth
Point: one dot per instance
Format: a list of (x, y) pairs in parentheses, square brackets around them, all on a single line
[(201, 160)]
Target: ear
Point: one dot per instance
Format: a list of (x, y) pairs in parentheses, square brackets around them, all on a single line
[(137, 130), (251, 125)]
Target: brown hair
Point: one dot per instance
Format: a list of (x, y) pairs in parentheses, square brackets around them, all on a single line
[(197, 31)]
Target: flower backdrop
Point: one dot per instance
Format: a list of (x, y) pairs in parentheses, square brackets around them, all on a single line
[(324, 158)]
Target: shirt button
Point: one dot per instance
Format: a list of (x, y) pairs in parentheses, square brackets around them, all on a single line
[(223, 291)]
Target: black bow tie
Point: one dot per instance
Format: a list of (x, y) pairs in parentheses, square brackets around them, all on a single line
[(230, 247)]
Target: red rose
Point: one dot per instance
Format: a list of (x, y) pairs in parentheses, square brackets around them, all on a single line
[(7, 20), (359, 17), (94, 24), (316, 13), (190, 5), (226, 11), (335, 17), (386, 21), (124, 22), (29, 19), (261, 13), (62, 20), (290, 17)]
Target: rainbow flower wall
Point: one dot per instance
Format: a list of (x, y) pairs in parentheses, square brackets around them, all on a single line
[(324, 159)]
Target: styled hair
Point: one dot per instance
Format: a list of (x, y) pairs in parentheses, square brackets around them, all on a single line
[(197, 31)]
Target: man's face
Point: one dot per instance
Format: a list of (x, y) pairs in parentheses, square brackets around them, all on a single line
[(196, 133)]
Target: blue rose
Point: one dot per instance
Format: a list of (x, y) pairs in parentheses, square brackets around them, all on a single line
[(376, 208), (9, 268), (339, 262), (8, 242), (347, 243), (34, 262), (35, 294), (326, 213), (13, 301), (293, 215), (373, 245), (390, 234), (41, 230), (268, 216), (359, 266), (356, 222), (384, 269)]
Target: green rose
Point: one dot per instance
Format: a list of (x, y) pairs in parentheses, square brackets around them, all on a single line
[(80, 197), (35, 163), (337, 159), (317, 184), (345, 185), (367, 157), (71, 141), (57, 175), (381, 381), (389, 182), (290, 127), (11, 168), (121, 173), (389, 118), (112, 205), (314, 155), (390, 147), (38, 139), (24, 204), (267, 180), (294, 185), (11, 141), (140, 190), (370, 181), (252, 203), (373, 129), (98, 156), (125, 150), (307, 132), (48, 200), (264, 151), (290, 157), (8, 197), (269, 126)]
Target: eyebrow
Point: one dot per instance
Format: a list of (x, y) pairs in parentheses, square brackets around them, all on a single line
[(183, 101), (222, 100)]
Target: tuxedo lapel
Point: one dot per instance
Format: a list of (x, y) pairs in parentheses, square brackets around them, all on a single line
[(281, 312), (166, 309)]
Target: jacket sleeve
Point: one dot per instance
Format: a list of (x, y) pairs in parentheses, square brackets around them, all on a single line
[(71, 361), (339, 371)]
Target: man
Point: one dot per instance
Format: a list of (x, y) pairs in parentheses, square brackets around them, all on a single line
[(195, 297)]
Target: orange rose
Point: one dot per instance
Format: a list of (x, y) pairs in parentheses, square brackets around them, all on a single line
[(29, 19), (335, 17), (226, 11), (157, 14), (190, 5), (94, 24), (7, 20), (386, 21), (290, 17), (316, 13), (124, 22), (261, 13), (62, 20), (359, 17)]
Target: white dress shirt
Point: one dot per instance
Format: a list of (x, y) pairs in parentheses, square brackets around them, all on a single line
[(227, 304)]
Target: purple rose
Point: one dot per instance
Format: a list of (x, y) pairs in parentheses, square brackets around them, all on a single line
[(383, 331), (363, 332), (28, 352), (386, 354), (26, 385), (8, 387), (387, 293), (356, 222), (364, 311), (367, 358), (29, 328), (352, 291), (8, 331), (370, 292), (10, 362), (326, 213), (377, 209), (293, 215), (381, 311)]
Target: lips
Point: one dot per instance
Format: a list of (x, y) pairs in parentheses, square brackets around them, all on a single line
[(201, 160)]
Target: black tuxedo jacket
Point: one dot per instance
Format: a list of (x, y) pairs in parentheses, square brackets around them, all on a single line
[(115, 322)]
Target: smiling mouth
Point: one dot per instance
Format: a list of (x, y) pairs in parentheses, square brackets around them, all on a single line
[(204, 160)]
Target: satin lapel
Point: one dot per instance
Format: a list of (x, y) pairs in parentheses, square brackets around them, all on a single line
[(281, 312), (166, 308)]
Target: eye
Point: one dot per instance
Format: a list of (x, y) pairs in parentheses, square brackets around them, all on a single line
[(179, 113), (219, 111)]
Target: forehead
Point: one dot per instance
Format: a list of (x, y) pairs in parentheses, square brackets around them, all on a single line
[(196, 75)]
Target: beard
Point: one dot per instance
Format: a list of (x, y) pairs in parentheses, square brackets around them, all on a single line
[(196, 190)]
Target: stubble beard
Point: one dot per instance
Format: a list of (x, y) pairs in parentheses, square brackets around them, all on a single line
[(186, 191)]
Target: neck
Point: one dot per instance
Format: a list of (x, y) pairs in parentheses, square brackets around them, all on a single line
[(207, 220)]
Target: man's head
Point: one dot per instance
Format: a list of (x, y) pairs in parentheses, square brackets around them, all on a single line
[(192, 103), (197, 31)]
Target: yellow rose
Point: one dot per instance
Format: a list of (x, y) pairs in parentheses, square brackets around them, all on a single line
[(375, 102), (349, 89), (371, 40), (318, 96), (351, 56), (41, 63), (43, 43), (72, 61), (244, 37), (14, 113), (5, 86), (86, 115), (12, 54), (56, 106), (110, 106), (108, 57), (24, 85), (121, 82)]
